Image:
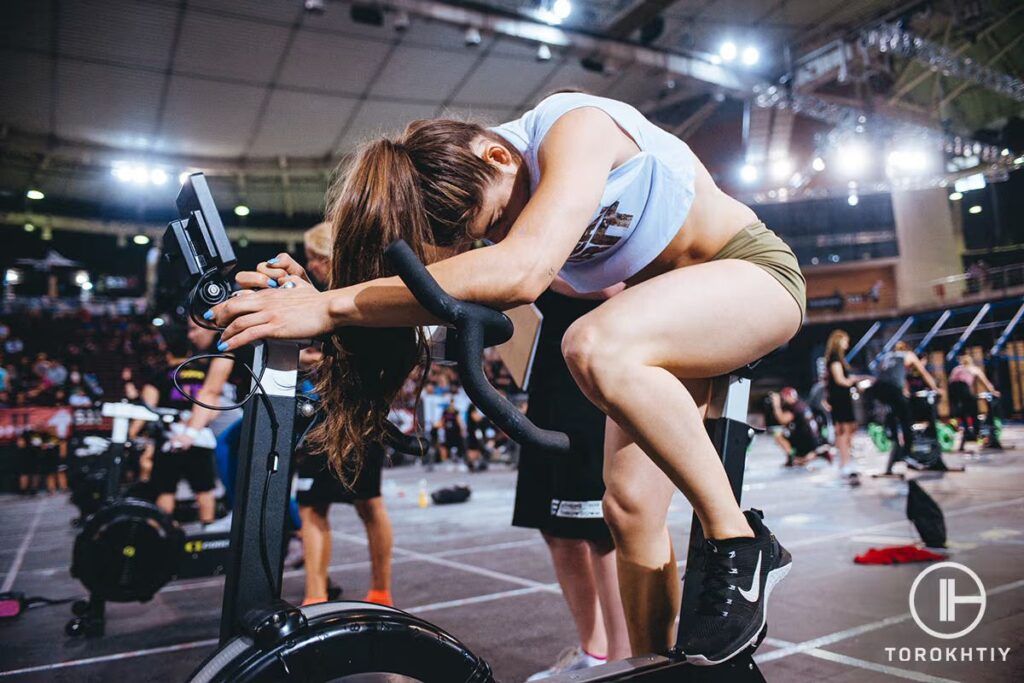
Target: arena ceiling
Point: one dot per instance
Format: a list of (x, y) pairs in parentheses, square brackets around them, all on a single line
[(267, 96)]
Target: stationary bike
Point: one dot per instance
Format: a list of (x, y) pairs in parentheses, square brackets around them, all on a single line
[(128, 549), (266, 639), (932, 438)]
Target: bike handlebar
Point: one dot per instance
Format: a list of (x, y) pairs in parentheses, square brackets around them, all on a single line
[(477, 327)]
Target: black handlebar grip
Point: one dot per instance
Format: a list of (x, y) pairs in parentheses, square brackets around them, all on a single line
[(412, 444), (422, 285)]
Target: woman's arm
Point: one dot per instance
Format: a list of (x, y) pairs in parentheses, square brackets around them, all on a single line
[(980, 374), (575, 159), (560, 286)]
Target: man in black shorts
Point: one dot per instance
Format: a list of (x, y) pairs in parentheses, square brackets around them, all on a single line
[(175, 460), (561, 495)]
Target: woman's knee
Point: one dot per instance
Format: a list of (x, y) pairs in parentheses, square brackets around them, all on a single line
[(595, 358), (628, 512)]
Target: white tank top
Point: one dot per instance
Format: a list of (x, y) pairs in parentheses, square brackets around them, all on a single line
[(645, 200)]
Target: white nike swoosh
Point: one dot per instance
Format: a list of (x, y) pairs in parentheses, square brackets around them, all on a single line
[(751, 594)]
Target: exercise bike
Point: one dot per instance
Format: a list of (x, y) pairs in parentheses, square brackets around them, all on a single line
[(987, 429), (932, 438), (266, 639), (128, 548)]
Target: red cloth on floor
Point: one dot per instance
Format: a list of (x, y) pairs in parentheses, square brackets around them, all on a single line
[(899, 554)]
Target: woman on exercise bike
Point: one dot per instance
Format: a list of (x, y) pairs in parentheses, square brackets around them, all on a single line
[(586, 189)]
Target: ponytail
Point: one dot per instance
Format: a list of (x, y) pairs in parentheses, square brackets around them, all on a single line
[(423, 188)]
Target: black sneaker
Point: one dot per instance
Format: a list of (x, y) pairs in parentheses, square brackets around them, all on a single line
[(740, 574)]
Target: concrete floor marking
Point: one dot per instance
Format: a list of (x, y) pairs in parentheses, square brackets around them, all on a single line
[(210, 642), (19, 557)]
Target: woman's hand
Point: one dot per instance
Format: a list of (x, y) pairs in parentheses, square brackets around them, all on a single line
[(296, 310), (273, 273)]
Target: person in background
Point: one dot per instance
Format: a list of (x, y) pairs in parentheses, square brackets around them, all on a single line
[(802, 428), (318, 486), (561, 495), (840, 381), (480, 440), (890, 387), (963, 403)]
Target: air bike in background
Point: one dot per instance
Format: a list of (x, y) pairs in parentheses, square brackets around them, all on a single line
[(264, 638)]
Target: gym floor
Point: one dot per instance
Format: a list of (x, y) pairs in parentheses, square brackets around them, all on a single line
[(464, 568)]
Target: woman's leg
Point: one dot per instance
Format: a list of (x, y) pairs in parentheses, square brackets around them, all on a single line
[(571, 557), (696, 322), (379, 538), (636, 501), (606, 581), (316, 545)]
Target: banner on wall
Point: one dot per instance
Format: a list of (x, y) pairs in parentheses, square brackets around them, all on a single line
[(59, 422)]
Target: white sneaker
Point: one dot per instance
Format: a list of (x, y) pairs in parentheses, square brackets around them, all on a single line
[(571, 659)]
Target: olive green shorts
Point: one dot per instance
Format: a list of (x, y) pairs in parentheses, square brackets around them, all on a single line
[(762, 247)]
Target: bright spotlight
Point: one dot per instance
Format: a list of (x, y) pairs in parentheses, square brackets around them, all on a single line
[(29, 227), (907, 161), (241, 210), (158, 322), (561, 9), (35, 194), (853, 199), (121, 171), (852, 158), (81, 277), (748, 173), (728, 51), (86, 286), (974, 209), (141, 240), (12, 276), (751, 56), (182, 177), (138, 174), (818, 164), (782, 169), (956, 196), (158, 176)]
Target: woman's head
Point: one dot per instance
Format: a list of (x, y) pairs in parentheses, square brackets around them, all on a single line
[(318, 242), (838, 343), (441, 182), (966, 359)]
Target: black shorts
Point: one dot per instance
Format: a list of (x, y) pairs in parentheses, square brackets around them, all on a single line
[(194, 466), (561, 494), (317, 485), (841, 401)]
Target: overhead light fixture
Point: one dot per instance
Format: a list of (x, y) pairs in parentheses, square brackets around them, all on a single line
[(748, 173), (782, 169), (29, 227), (751, 56), (818, 164), (141, 240), (35, 194), (971, 182), (81, 277), (158, 322), (183, 176), (1005, 152), (561, 9), (907, 160), (956, 196), (976, 209), (47, 234), (543, 53), (86, 286), (472, 37), (12, 276), (241, 210), (728, 51), (158, 176), (852, 158), (853, 199)]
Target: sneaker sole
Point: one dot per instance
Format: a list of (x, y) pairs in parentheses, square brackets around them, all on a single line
[(774, 577)]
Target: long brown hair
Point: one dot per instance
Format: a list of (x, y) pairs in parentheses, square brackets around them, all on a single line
[(833, 347), (425, 187)]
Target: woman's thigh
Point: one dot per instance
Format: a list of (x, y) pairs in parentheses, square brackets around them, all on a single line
[(699, 321)]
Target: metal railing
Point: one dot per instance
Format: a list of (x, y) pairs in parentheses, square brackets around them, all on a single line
[(978, 280)]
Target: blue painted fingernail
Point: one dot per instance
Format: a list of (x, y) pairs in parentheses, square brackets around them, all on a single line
[(208, 315), (272, 261), (272, 283), (222, 346)]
